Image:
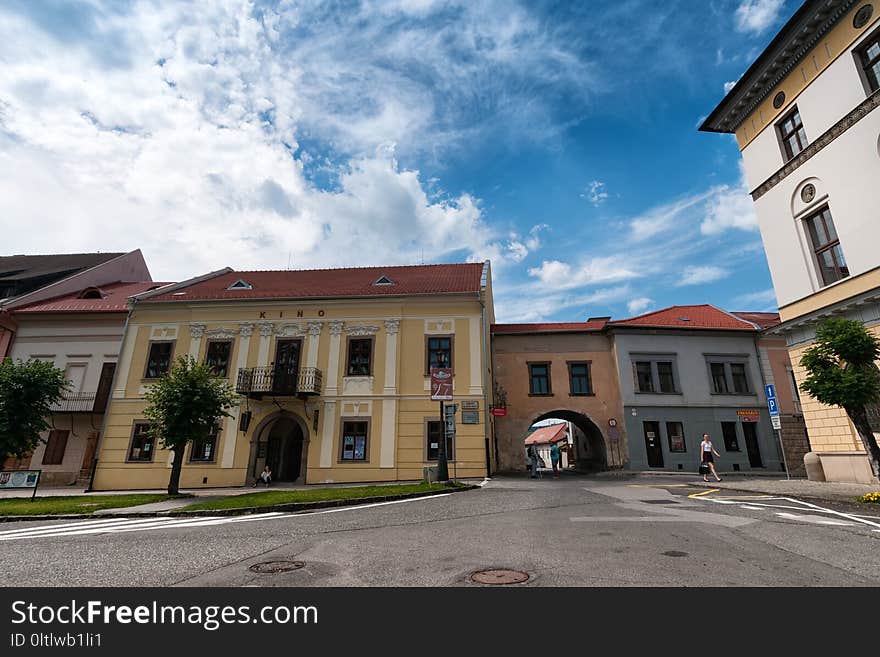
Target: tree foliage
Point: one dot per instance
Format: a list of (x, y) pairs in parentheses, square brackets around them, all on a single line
[(28, 389), (842, 371), (186, 405)]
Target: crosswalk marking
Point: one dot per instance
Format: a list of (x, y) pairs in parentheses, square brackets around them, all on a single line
[(125, 525)]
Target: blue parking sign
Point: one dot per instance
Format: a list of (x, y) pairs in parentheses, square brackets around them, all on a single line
[(769, 390)]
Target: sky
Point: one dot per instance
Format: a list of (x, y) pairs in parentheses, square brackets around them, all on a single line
[(556, 139)]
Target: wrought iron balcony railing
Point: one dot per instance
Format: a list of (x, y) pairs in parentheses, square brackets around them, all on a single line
[(75, 404), (272, 380)]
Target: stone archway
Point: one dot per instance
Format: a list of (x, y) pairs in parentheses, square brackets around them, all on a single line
[(280, 441), (590, 450)]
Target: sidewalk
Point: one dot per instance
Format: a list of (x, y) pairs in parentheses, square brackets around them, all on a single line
[(834, 491)]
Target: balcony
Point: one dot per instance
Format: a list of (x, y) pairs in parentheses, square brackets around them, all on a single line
[(75, 404), (258, 381)]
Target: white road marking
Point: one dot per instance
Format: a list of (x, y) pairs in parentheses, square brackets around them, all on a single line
[(814, 507), (818, 520), (126, 525)]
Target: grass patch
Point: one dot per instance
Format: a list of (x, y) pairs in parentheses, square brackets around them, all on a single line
[(270, 498), (25, 506)]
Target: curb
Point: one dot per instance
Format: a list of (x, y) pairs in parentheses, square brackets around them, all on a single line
[(291, 507), (843, 499)]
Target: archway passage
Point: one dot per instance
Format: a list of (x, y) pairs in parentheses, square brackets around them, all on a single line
[(279, 443), (589, 451)]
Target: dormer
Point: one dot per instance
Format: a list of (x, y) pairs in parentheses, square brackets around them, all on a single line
[(240, 285), (91, 293), (383, 280)]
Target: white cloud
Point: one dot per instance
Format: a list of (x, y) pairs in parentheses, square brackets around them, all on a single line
[(665, 218), (755, 16), (595, 193), (177, 130), (636, 306), (561, 275), (698, 275), (760, 301), (729, 85), (729, 209)]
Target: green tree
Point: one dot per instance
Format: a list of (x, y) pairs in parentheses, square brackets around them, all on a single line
[(842, 371), (27, 392), (185, 405)]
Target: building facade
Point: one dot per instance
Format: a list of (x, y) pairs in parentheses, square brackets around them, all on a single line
[(563, 371), (333, 371), (81, 334), (689, 370), (806, 121)]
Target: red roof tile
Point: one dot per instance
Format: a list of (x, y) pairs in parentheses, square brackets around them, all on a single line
[(551, 327), (547, 435), (114, 299), (695, 317), (329, 283), (764, 320)]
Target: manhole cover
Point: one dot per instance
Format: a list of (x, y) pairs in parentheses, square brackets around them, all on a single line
[(276, 566), (658, 501), (674, 553), (499, 576)]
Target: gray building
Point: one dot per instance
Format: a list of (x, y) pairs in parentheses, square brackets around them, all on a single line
[(689, 370)]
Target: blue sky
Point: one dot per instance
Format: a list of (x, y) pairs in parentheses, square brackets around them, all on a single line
[(558, 139)]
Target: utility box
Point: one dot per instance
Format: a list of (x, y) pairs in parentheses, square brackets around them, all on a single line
[(429, 474)]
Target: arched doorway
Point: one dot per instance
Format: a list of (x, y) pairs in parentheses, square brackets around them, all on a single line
[(281, 442), (589, 452)]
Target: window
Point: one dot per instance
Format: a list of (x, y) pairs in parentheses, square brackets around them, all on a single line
[(55, 446), (740, 380), (656, 375), (644, 378), (360, 357), (434, 433), (439, 352), (539, 379), (664, 373), (730, 377), (728, 430), (217, 357), (203, 450), (142, 442), (579, 379), (719, 381), (826, 246), (354, 440), (159, 359), (675, 434), (870, 56), (792, 135)]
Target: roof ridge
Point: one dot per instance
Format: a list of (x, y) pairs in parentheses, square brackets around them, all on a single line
[(365, 267)]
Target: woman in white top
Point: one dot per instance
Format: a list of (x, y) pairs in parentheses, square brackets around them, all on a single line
[(706, 452)]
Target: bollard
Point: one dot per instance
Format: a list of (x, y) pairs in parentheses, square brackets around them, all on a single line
[(813, 465)]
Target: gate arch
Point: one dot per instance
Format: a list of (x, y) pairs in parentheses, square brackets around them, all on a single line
[(591, 452)]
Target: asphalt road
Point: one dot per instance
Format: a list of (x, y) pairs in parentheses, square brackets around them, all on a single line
[(574, 531)]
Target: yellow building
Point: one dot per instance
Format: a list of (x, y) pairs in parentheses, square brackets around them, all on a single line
[(332, 369), (806, 120)]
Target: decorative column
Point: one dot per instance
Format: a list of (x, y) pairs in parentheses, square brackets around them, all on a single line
[(389, 406), (332, 378), (125, 362), (230, 431), (327, 435), (314, 331), (196, 331), (266, 331)]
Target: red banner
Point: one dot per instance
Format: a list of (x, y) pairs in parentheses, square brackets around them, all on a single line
[(441, 384)]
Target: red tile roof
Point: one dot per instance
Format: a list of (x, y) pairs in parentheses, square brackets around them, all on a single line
[(547, 435), (551, 327), (114, 299), (764, 320), (329, 283), (702, 316)]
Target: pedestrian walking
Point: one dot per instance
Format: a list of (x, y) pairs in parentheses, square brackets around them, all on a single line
[(533, 461), (554, 460), (706, 452)]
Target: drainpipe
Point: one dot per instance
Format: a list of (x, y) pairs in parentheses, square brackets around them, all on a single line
[(110, 397), (486, 382)]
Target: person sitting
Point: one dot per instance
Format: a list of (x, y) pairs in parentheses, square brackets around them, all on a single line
[(265, 477)]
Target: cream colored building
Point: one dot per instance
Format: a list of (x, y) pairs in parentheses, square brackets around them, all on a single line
[(332, 369), (805, 118)]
